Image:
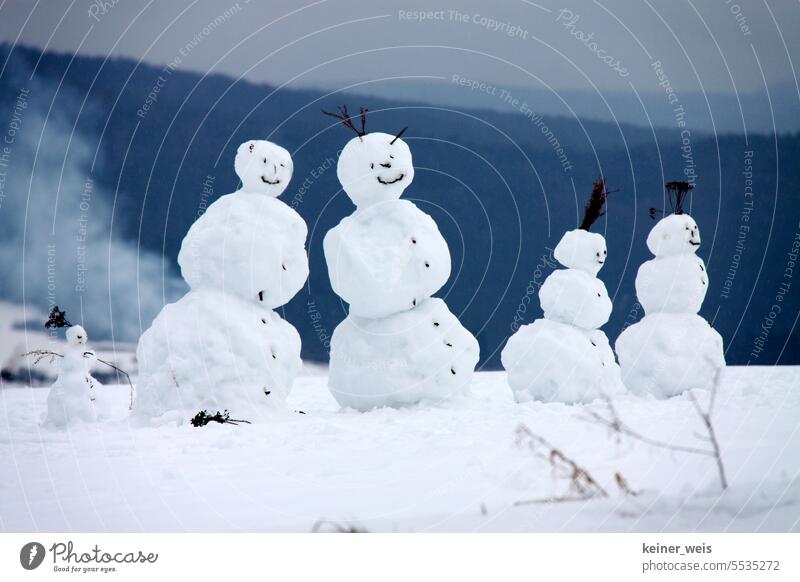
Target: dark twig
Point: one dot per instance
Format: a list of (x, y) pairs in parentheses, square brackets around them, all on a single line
[(582, 486), (203, 417), (402, 131), (41, 355), (124, 373), (681, 191), (344, 116), (594, 206)]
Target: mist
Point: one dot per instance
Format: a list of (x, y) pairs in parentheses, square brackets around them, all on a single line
[(56, 227)]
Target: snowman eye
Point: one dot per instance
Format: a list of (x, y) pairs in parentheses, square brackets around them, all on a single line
[(283, 165), (252, 145), (598, 253), (391, 156), (372, 166)]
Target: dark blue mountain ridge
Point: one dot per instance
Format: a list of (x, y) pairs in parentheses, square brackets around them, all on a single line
[(500, 190)]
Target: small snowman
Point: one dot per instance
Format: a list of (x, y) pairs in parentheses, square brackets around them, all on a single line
[(398, 346), (672, 349), (565, 357), (222, 346), (71, 396)]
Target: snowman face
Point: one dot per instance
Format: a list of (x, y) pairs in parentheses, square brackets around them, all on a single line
[(673, 235), (583, 250), (76, 336), (263, 167), (375, 168)]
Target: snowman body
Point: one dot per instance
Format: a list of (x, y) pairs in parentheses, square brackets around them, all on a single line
[(213, 350), (386, 258), (672, 349), (221, 346), (398, 346), (564, 357), (71, 396)]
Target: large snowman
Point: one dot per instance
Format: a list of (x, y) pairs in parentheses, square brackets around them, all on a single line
[(565, 357), (672, 349), (221, 346), (398, 346)]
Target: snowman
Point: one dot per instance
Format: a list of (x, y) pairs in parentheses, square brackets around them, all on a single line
[(398, 346), (672, 349), (71, 396), (565, 357), (222, 346)]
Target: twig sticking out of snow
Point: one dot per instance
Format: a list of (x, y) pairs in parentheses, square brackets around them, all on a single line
[(327, 526), (705, 415), (623, 486), (203, 417), (614, 423), (582, 486)]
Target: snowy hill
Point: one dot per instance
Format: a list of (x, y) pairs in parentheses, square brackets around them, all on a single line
[(442, 468)]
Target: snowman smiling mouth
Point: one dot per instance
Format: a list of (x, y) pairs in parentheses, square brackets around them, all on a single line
[(400, 177), (694, 244), (273, 183)]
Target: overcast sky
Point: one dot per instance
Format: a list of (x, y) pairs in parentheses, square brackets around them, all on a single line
[(711, 45)]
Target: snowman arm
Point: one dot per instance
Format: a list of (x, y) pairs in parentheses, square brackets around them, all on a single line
[(42, 354), (124, 373)]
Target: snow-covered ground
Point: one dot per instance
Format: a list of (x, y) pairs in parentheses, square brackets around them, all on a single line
[(452, 467)]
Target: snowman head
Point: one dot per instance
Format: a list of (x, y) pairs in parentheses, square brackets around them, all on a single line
[(673, 235), (583, 250), (263, 167), (76, 336), (375, 167)]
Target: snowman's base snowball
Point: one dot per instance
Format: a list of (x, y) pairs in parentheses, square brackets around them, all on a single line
[(250, 245), (672, 284), (556, 362), (666, 354), (69, 401), (214, 351), (419, 355), (386, 258), (576, 298)]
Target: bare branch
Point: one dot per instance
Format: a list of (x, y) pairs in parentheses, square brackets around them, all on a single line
[(582, 485), (616, 425), (344, 116), (124, 373), (40, 355)]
